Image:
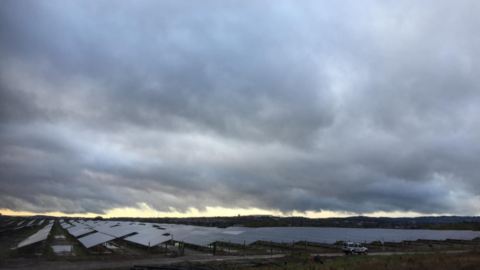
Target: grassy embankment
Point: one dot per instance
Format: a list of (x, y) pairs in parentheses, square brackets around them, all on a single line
[(438, 261)]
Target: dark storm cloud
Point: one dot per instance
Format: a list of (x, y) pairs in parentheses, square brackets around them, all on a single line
[(350, 107)]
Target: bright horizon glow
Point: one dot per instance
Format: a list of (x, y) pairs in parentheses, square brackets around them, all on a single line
[(146, 212)]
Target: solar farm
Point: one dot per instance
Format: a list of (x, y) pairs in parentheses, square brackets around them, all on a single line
[(152, 234), (96, 237)]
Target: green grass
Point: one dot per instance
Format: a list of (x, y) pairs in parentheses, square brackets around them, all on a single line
[(49, 254), (9, 254), (298, 256), (140, 251), (79, 250), (437, 261)]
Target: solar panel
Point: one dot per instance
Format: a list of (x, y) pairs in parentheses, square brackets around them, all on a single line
[(80, 232), (39, 236), (205, 235), (148, 238), (66, 225), (95, 239)]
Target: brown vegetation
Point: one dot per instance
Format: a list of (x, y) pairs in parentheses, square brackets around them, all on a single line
[(437, 261)]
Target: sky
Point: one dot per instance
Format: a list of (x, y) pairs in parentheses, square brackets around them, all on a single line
[(218, 108)]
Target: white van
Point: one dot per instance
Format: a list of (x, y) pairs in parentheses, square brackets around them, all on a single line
[(352, 248)]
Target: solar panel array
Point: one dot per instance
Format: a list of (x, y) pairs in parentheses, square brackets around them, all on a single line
[(78, 231), (149, 237), (95, 239), (153, 234), (64, 224), (39, 236)]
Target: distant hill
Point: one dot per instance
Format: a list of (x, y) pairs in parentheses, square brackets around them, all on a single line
[(421, 220), (255, 221)]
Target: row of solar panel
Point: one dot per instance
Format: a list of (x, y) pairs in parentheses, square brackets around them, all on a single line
[(39, 236), (30, 223), (151, 234)]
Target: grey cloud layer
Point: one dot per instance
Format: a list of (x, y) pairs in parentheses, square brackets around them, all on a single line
[(351, 107)]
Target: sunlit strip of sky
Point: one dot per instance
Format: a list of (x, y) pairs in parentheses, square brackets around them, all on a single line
[(326, 108)]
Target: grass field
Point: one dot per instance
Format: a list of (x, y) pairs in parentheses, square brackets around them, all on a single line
[(438, 261), (464, 260)]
